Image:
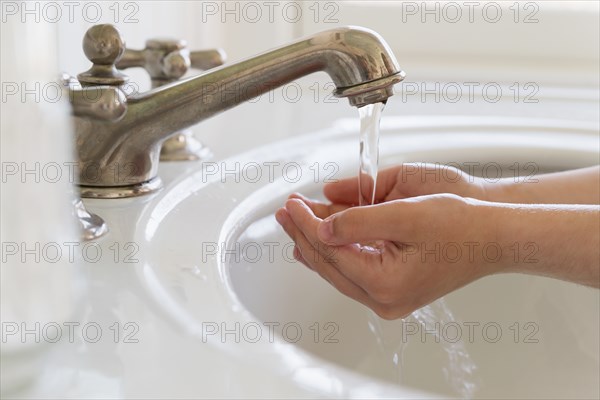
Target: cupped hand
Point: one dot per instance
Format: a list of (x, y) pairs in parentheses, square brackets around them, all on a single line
[(421, 255)]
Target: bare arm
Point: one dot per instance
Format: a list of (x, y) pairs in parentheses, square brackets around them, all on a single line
[(558, 241), (580, 186)]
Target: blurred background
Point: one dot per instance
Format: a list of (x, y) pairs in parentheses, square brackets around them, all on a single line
[(532, 58)]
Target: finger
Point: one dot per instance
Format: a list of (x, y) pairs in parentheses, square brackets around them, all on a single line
[(345, 191), (298, 257), (359, 270), (283, 218), (418, 179), (320, 209), (391, 221), (320, 264), (286, 223), (334, 277), (351, 261)]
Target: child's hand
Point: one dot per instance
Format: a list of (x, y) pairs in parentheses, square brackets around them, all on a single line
[(410, 180), (414, 266)]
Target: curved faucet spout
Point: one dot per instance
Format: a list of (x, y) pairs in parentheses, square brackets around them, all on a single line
[(358, 60)]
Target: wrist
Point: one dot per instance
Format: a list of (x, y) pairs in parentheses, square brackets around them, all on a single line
[(502, 191), (495, 237)]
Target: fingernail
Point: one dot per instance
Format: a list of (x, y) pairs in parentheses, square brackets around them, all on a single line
[(325, 230)]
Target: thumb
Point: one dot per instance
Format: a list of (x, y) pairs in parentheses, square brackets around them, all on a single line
[(365, 224)]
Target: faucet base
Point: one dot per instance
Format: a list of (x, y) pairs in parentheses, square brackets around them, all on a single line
[(183, 147), (119, 192)]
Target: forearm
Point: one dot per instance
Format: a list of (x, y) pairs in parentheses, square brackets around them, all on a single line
[(581, 186), (559, 241)]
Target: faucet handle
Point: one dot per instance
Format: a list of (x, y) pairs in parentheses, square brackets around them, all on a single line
[(104, 46), (167, 60), (207, 59)]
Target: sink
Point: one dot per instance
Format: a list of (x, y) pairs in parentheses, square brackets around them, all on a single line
[(219, 266)]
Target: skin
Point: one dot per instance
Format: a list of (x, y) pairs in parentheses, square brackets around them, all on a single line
[(430, 234)]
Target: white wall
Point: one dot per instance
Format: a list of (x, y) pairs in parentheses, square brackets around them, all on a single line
[(556, 42), (430, 39)]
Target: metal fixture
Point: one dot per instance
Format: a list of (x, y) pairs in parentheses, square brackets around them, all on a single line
[(166, 61), (118, 138)]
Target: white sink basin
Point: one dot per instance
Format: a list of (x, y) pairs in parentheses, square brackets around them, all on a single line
[(214, 257)]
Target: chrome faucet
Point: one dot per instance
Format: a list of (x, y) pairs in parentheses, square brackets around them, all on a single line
[(119, 136)]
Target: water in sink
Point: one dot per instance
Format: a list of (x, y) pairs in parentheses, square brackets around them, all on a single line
[(458, 367)]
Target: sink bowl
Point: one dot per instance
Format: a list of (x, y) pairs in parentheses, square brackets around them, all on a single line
[(220, 267)]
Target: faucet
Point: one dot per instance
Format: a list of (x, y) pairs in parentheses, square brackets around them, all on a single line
[(119, 136)]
